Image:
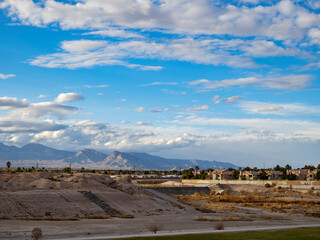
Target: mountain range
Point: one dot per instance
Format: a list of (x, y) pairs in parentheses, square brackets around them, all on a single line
[(35, 153)]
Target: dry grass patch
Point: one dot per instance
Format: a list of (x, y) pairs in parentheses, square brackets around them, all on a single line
[(271, 202)]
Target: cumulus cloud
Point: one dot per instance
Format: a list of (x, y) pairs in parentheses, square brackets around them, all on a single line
[(12, 103), (68, 97), (5, 76), (282, 82), (280, 20), (24, 109), (35, 110), (42, 96), (12, 125), (283, 109), (314, 34)]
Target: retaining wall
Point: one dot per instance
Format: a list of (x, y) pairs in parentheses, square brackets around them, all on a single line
[(296, 184), (181, 190)]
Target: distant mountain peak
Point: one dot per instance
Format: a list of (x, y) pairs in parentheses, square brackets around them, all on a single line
[(116, 160)]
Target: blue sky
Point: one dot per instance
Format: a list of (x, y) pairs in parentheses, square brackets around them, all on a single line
[(233, 81)]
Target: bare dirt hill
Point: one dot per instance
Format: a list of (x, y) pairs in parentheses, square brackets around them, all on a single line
[(59, 196)]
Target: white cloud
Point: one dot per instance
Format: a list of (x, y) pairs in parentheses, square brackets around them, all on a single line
[(5, 76), (280, 20), (42, 96), (198, 108), (123, 100), (159, 109), (314, 34), (139, 123), (114, 32), (216, 99), (82, 45), (140, 109), (97, 86), (263, 48), (149, 68), (314, 4), (68, 97), (174, 92), (200, 51), (158, 83), (12, 103), (283, 109), (270, 109), (282, 82), (280, 128), (232, 99), (13, 125), (25, 110), (36, 110)]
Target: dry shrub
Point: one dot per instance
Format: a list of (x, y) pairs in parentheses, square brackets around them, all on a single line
[(154, 227), (205, 210), (267, 185), (219, 226), (36, 233), (212, 192)]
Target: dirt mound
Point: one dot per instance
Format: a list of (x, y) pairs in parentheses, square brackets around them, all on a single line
[(58, 196)]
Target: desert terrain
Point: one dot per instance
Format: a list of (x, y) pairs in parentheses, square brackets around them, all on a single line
[(68, 205)]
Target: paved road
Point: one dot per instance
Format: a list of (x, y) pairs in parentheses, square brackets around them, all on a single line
[(191, 232)]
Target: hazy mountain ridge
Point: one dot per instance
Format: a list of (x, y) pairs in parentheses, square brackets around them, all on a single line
[(94, 159)]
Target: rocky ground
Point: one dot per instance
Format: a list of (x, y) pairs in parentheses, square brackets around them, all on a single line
[(82, 204)]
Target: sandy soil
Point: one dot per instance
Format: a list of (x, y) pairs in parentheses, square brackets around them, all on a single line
[(29, 200)]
